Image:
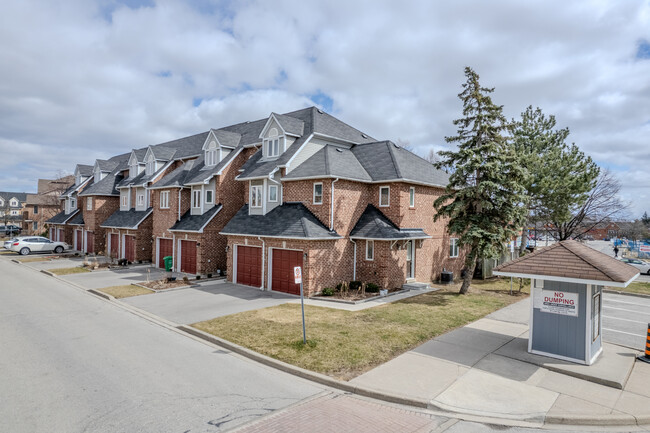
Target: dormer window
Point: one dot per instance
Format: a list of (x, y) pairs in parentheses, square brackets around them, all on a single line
[(13, 203), (211, 154), (133, 170)]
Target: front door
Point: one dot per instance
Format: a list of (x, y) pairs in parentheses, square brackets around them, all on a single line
[(115, 245), (410, 262), (129, 248), (80, 237)]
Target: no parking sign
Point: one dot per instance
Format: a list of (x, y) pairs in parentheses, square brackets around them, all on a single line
[(297, 274)]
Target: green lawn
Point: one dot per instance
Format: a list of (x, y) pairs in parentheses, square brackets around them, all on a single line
[(67, 271), (126, 291), (638, 287), (345, 344)]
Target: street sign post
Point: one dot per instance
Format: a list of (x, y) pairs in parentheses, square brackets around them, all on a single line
[(297, 275)]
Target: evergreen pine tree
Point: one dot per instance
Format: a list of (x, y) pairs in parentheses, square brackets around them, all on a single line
[(484, 198)]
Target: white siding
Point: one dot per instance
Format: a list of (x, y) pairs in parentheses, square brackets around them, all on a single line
[(140, 192), (269, 204), (307, 151)]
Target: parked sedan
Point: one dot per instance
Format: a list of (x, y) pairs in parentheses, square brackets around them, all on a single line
[(7, 244), (643, 267), (10, 230), (37, 244)]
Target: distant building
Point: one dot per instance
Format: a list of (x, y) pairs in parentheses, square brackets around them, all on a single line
[(44, 205), (11, 207)]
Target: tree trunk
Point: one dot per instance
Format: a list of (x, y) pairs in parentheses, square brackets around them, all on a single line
[(467, 279), (522, 247)]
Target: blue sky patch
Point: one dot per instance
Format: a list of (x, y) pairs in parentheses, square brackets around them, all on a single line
[(164, 74), (643, 52), (322, 100), (197, 101), (108, 7)]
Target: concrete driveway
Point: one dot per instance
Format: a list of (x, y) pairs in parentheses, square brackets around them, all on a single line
[(115, 277), (208, 301)]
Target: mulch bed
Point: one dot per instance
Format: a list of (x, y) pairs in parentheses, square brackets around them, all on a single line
[(163, 284), (355, 295)]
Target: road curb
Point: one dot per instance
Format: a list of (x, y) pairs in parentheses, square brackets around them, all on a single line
[(616, 292), (43, 271), (604, 420), (101, 294)]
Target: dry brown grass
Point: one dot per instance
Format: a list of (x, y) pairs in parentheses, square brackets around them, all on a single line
[(68, 271), (638, 288), (34, 259), (345, 344), (126, 291)]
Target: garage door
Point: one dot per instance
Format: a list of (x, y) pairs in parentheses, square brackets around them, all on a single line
[(80, 240), (249, 266), (282, 279), (188, 257), (129, 248), (115, 245), (90, 242), (60, 235), (165, 248)]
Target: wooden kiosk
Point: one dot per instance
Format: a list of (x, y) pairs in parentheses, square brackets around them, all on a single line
[(567, 279)]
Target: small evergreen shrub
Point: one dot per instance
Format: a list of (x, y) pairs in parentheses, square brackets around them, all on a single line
[(372, 288), (355, 285), (327, 291)]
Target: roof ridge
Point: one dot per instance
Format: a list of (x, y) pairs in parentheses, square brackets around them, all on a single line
[(392, 156), (570, 246)]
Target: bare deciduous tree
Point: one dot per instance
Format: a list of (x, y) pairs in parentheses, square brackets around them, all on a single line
[(602, 205)]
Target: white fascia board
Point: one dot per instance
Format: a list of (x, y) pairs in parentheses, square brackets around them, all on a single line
[(158, 173), (332, 138), (566, 279), (391, 239), (283, 237), (248, 146), (211, 134), (164, 187), (288, 163), (329, 176)]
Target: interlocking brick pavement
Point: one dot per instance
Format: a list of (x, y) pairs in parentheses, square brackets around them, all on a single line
[(344, 413)]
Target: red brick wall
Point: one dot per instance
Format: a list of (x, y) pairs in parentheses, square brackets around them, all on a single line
[(143, 240), (103, 207)]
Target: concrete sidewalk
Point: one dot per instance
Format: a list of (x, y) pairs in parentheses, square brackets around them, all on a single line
[(484, 369)]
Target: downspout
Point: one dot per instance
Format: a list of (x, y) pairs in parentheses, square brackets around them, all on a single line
[(332, 205), (354, 263), (179, 203), (263, 252)]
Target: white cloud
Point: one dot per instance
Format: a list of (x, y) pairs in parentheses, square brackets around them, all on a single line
[(77, 86)]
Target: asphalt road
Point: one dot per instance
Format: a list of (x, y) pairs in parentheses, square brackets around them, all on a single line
[(625, 320), (74, 363)]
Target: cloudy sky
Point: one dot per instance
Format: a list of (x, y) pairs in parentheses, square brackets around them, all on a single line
[(87, 79)]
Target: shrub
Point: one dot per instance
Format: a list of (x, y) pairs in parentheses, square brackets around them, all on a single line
[(355, 285), (327, 291), (372, 288)]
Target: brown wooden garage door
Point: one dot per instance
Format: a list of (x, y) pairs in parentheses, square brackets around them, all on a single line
[(90, 242), (165, 248), (129, 248), (282, 278), (115, 245), (80, 240), (188, 257), (249, 266), (60, 235)]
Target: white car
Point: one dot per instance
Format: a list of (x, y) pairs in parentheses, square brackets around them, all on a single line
[(8, 243), (643, 267), (37, 244)]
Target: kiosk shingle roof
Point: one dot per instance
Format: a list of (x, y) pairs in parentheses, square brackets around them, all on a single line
[(570, 259)]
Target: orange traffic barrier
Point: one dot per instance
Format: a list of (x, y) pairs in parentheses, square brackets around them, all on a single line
[(646, 357)]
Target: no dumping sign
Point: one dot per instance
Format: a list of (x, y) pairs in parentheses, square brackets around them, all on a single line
[(564, 303)]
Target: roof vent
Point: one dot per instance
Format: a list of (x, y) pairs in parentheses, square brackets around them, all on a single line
[(396, 145), (364, 135), (319, 110), (339, 150)]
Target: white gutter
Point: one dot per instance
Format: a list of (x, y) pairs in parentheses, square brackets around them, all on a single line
[(354, 263), (332, 205), (263, 251)]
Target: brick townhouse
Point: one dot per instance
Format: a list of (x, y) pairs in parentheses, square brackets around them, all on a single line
[(44, 204), (98, 202), (67, 225), (325, 196)]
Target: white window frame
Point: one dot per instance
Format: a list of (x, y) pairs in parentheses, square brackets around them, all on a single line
[(453, 248), (380, 190), (411, 196), (196, 198), (164, 200), (13, 202), (274, 146), (370, 247), (140, 200), (273, 187), (89, 203), (256, 192), (125, 201), (314, 193), (73, 203), (211, 194), (538, 283)]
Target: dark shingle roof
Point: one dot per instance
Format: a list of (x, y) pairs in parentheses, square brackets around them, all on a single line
[(195, 223), (106, 186), (177, 177), (291, 125), (331, 161), (290, 220), (227, 138), (573, 260), (77, 219), (375, 225), (8, 195), (180, 148), (130, 219), (85, 170), (385, 161), (202, 173), (106, 165), (61, 217)]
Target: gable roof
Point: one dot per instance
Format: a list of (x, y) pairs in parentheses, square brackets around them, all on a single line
[(224, 138), (287, 221), (195, 223), (84, 170), (573, 262), (331, 161), (62, 217), (8, 195), (130, 219), (53, 185), (76, 220), (373, 224)]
